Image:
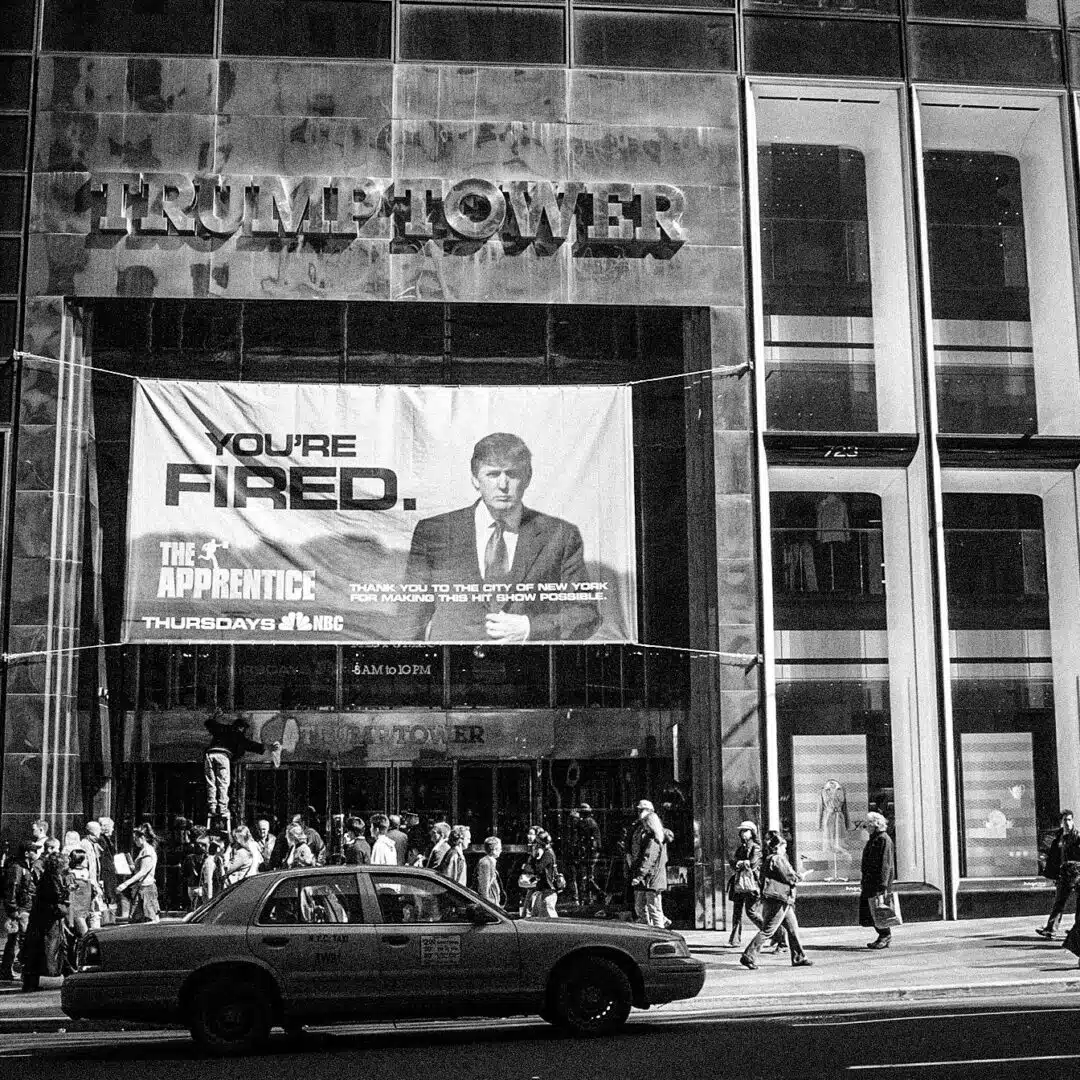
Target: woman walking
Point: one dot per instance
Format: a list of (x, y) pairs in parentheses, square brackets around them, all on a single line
[(44, 949), (488, 884), (453, 865), (878, 871), (778, 881), (241, 861), (141, 886), (546, 894), (745, 887), (299, 854)]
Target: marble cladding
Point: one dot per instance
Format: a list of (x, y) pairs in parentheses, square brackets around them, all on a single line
[(256, 117)]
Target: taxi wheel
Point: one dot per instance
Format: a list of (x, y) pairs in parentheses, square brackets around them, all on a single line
[(593, 998), (230, 1016)]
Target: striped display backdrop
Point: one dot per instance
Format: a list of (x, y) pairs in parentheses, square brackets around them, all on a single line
[(1000, 834), (815, 760)]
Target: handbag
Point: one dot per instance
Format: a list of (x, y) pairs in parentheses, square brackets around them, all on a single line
[(526, 880), (746, 883), (559, 880), (885, 910), (776, 890)]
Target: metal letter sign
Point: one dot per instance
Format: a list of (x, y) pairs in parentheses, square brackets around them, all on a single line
[(637, 219)]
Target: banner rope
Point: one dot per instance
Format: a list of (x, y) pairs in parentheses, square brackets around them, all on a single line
[(737, 370), (747, 660)]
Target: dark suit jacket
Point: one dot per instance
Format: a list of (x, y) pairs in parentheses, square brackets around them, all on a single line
[(548, 550)]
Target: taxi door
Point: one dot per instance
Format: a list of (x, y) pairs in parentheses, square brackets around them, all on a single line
[(311, 930), (431, 954)]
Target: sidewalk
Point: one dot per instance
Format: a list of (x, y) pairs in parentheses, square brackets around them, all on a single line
[(927, 961), (968, 960)]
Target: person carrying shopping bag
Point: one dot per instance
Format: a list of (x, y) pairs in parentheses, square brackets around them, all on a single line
[(778, 881), (744, 889)]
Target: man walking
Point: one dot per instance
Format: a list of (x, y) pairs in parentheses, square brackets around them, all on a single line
[(648, 865), (400, 839), (1062, 864), (265, 841)]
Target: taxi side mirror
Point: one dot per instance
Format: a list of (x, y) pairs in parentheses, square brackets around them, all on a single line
[(478, 915)]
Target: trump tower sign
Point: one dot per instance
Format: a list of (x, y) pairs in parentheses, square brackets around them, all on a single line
[(312, 513)]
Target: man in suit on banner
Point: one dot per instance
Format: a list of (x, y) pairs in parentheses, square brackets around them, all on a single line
[(500, 541)]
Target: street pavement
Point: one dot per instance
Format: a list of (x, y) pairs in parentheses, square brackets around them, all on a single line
[(971, 961)]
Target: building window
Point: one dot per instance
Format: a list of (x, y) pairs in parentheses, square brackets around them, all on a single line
[(1021, 11), (1001, 275), (133, 26), (482, 34), (833, 707), (1002, 683), (661, 40), (324, 28), (834, 252)]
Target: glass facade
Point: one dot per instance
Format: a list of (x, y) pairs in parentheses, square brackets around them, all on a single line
[(884, 533), (1001, 267), (834, 259)]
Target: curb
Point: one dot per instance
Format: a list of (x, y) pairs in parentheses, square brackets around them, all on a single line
[(810, 999), (720, 1004)]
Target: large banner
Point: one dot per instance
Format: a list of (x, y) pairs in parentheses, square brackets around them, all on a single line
[(270, 512)]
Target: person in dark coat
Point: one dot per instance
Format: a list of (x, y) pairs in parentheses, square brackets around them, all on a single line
[(44, 950), (1063, 867), (18, 898), (746, 859), (648, 865), (357, 849), (878, 871)]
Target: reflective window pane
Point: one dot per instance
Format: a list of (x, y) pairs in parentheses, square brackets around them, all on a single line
[(1032, 11), (13, 142), (840, 7), (307, 28), (374, 677), (14, 82), (168, 26), (670, 42), (493, 35), (833, 252), (11, 203), (1001, 626), (997, 208), (822, 47), (984, 54), (10, 248), (297, 677), (19, 25)]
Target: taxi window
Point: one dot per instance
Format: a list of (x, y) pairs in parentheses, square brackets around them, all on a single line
[(316, 900), (405, 899)]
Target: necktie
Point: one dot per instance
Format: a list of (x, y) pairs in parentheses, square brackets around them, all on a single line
[(496, 559)]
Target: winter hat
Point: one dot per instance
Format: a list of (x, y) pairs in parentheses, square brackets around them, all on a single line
[(748, 825)]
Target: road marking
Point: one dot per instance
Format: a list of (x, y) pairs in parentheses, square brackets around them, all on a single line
[(935, 1016), (963, 1061)]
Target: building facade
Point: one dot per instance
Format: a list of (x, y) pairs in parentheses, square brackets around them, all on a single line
[(832, 246)]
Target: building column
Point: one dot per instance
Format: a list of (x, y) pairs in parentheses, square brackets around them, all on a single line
[(42, 775), (725, 694)]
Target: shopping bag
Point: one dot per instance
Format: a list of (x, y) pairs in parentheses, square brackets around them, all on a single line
[(1072, 939), (746, 882), (885, 910)]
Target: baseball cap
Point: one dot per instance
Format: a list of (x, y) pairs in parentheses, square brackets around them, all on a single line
[(585, 808), (646, 805), (748, 825)]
